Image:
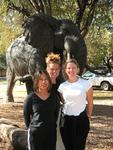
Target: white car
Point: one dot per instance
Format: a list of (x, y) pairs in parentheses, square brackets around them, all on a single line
[(103, 81)]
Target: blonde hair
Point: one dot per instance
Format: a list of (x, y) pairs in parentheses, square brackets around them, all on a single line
[(65, 65), (53, 58)]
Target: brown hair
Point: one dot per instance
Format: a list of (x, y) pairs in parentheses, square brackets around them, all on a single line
[(53, 58), (37, 76), (65, 65)]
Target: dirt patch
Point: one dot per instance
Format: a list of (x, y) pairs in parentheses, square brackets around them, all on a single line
[(101, 132)]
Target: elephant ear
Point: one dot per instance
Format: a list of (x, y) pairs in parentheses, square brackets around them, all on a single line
[(39, 33), (36, 62)]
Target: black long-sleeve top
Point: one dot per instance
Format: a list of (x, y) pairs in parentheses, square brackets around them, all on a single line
[(41, 113)]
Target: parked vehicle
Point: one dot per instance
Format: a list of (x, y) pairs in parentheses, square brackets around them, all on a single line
[(105, 82)]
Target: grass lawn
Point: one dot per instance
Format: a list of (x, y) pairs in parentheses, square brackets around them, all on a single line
[(103, 94)]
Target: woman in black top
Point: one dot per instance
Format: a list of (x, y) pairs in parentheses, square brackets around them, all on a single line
[(53, 67), (40, 113)]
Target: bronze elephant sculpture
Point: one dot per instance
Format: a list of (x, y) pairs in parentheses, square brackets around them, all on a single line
[(42, 34)]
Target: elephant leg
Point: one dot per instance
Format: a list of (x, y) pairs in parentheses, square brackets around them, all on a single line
[(29, 86), (10, 85)]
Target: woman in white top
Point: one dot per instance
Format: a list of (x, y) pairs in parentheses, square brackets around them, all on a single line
[(78, 106)]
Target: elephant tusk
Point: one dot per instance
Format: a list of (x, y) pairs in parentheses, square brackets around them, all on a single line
[(23, 78), (68, 56)]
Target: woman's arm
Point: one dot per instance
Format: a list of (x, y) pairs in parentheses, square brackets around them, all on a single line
[(61, 99), (90, 102), (27, 112)]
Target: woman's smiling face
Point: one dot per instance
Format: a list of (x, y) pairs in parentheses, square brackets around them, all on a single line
[(71, 69), (53, 70), (43, 83)]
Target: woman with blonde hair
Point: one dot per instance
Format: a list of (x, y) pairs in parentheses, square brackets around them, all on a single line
[(53, 67), (78, 106)]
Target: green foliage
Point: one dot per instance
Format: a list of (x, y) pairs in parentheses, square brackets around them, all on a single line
[(9, 30), (7, 35), (99, 39), (99, 43), (64, 8)]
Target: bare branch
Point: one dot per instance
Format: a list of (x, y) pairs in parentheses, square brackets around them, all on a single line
[(36, 5), (106, 61), (22, 10), (41, 6), (47, 6), (89, 19), (82, 6)]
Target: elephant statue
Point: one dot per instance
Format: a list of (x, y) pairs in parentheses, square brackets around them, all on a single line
[(42, 34)]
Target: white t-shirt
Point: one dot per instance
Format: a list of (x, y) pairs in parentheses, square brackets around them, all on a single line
[(74, 95)]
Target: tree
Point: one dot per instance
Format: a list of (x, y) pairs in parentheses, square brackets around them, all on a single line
[(99, 39), (7, 33), (91, 16), (81, 11), (13, 9)]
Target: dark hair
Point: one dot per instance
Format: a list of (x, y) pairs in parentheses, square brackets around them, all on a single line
[(37, 76), (65, 65)]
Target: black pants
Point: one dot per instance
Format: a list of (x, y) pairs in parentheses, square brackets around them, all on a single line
[(75, 131), (42, 139)]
